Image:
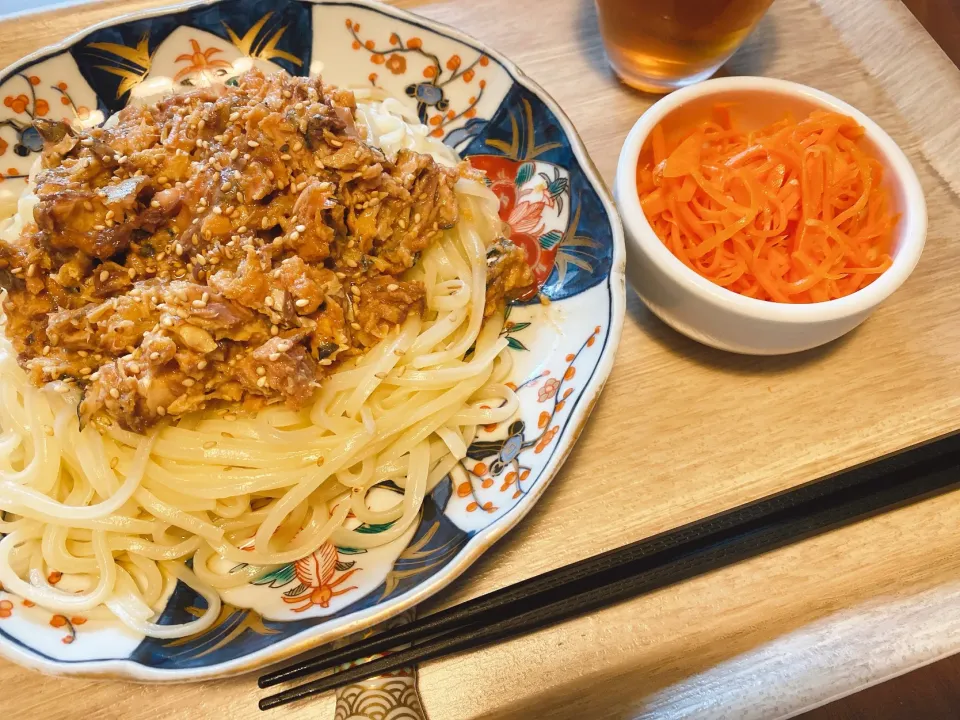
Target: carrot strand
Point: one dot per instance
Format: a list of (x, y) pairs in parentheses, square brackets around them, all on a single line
[(794, 212)]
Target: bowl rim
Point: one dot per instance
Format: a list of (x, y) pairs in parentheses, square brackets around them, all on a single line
[(639, 232)]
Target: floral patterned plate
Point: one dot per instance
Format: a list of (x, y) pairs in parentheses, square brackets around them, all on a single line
[(557, 210)]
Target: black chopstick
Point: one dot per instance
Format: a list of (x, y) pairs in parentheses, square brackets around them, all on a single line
[(646, 565), (595, 570)]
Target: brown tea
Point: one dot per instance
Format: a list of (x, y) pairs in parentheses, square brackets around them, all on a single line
[(660, 45)]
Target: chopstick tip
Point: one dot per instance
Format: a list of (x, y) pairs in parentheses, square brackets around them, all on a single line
[(269, 702)]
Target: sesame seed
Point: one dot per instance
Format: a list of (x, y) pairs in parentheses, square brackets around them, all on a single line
[(218, 210), (242, 229), (225, 186), (268, 301), (301, 228), (261, 371), (199, 304), (189, 382), (302, 303), (178, 248), (114, 393), (131, 273), (154, 203), (46, 350), (209, 445), (253, 143), (274, 330), (110, 214), (167, 322), (233, 116), (285, 157), (133, 368), (104, 275), (261, 382), (355, 326), (297, 146), (200, 260), (295, 235), (283, 346), (392, 287), (274, 357), (114, 462), (86, 371), (161, 410), (154, 356), (31, 270), (351, 263), (355, 290)]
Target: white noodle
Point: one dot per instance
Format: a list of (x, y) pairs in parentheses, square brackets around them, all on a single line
[(121, 513)]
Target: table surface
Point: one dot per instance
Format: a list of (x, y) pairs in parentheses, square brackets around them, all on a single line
[(681, 432)]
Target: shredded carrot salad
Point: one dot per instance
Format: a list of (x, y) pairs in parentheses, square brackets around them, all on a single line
[(792, 213)]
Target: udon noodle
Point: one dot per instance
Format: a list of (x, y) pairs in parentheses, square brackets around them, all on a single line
[(119, 514)]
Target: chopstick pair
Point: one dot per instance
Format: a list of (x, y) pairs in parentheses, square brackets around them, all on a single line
[(649, 564)]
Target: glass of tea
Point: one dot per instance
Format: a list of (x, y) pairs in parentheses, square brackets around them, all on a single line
[(661, 45)]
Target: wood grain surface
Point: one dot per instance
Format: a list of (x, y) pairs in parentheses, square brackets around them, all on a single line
[(683, 431), (932, 691)]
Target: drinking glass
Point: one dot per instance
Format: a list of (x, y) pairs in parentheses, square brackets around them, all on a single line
[(661, 45)]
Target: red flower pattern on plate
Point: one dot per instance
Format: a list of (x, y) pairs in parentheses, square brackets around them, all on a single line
[(523, 210), (548, 390)]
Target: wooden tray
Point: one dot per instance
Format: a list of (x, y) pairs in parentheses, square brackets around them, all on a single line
[(683, 431)]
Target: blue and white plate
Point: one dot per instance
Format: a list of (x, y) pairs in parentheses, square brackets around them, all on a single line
[(551, 196)]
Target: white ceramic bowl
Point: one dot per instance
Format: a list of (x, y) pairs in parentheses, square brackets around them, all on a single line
[(724, 319)]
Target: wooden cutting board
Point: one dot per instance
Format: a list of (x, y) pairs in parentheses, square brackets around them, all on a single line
[(683, 431)]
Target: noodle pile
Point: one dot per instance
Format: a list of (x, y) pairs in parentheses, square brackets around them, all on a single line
[(119, 514)]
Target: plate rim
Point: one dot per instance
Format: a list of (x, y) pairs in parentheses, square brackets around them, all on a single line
[(481, 541)]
